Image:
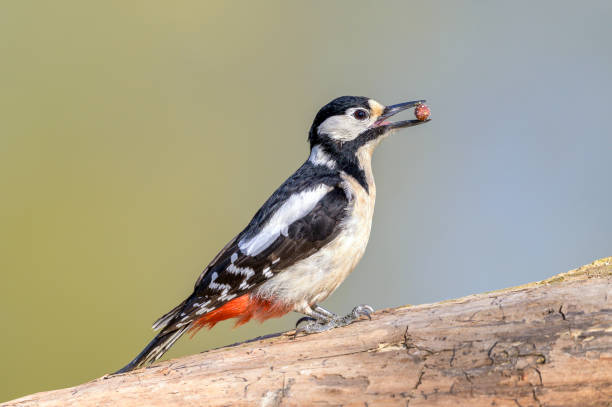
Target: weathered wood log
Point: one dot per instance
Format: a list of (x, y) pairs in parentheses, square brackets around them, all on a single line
[(542, 344)]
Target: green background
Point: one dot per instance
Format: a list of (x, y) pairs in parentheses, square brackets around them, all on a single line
[(137, 138)]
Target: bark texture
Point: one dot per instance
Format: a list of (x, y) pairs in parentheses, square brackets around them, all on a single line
[(542, 344)]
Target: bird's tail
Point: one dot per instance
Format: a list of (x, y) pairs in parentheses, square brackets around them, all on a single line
[(165, 319), (162, 342), (155, 349)]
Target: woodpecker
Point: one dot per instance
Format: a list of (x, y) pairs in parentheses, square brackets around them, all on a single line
[(305, 239)]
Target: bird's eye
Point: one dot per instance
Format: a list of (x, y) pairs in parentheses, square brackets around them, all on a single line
[(360, 114)]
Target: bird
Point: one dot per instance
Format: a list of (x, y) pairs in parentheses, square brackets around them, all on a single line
[(303, 242)]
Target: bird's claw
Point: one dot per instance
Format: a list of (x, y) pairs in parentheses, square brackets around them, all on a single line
[(304, 319), (320, 325), (362, 309)]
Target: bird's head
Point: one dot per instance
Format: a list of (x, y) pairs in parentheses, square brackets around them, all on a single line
[(354, 121)]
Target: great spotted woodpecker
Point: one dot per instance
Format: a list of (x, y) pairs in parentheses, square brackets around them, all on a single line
[(303, 242)]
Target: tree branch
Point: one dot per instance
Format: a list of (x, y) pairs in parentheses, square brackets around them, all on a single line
[(545, 343)]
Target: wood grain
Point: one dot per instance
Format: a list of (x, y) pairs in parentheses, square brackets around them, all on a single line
[(542, 344)]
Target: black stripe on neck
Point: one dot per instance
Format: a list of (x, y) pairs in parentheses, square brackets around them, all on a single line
[(345, 153)]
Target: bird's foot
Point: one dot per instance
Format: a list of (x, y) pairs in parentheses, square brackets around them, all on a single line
[(315, 325)]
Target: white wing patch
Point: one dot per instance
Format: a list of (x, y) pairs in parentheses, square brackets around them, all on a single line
[(295, 208)]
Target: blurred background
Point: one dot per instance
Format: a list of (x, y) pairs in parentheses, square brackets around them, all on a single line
[(137, 138)]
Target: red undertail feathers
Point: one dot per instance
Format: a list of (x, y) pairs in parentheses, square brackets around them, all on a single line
[(244, 308)]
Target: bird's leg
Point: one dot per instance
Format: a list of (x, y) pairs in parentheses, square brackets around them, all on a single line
[(321, 320), (324, 313)]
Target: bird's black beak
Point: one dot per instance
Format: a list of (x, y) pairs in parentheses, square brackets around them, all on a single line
[(395, 109)]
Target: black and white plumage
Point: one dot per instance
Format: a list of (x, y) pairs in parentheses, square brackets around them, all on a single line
[(305, 239)]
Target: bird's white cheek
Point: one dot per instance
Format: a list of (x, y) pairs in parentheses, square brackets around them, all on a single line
[(342, 128)]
